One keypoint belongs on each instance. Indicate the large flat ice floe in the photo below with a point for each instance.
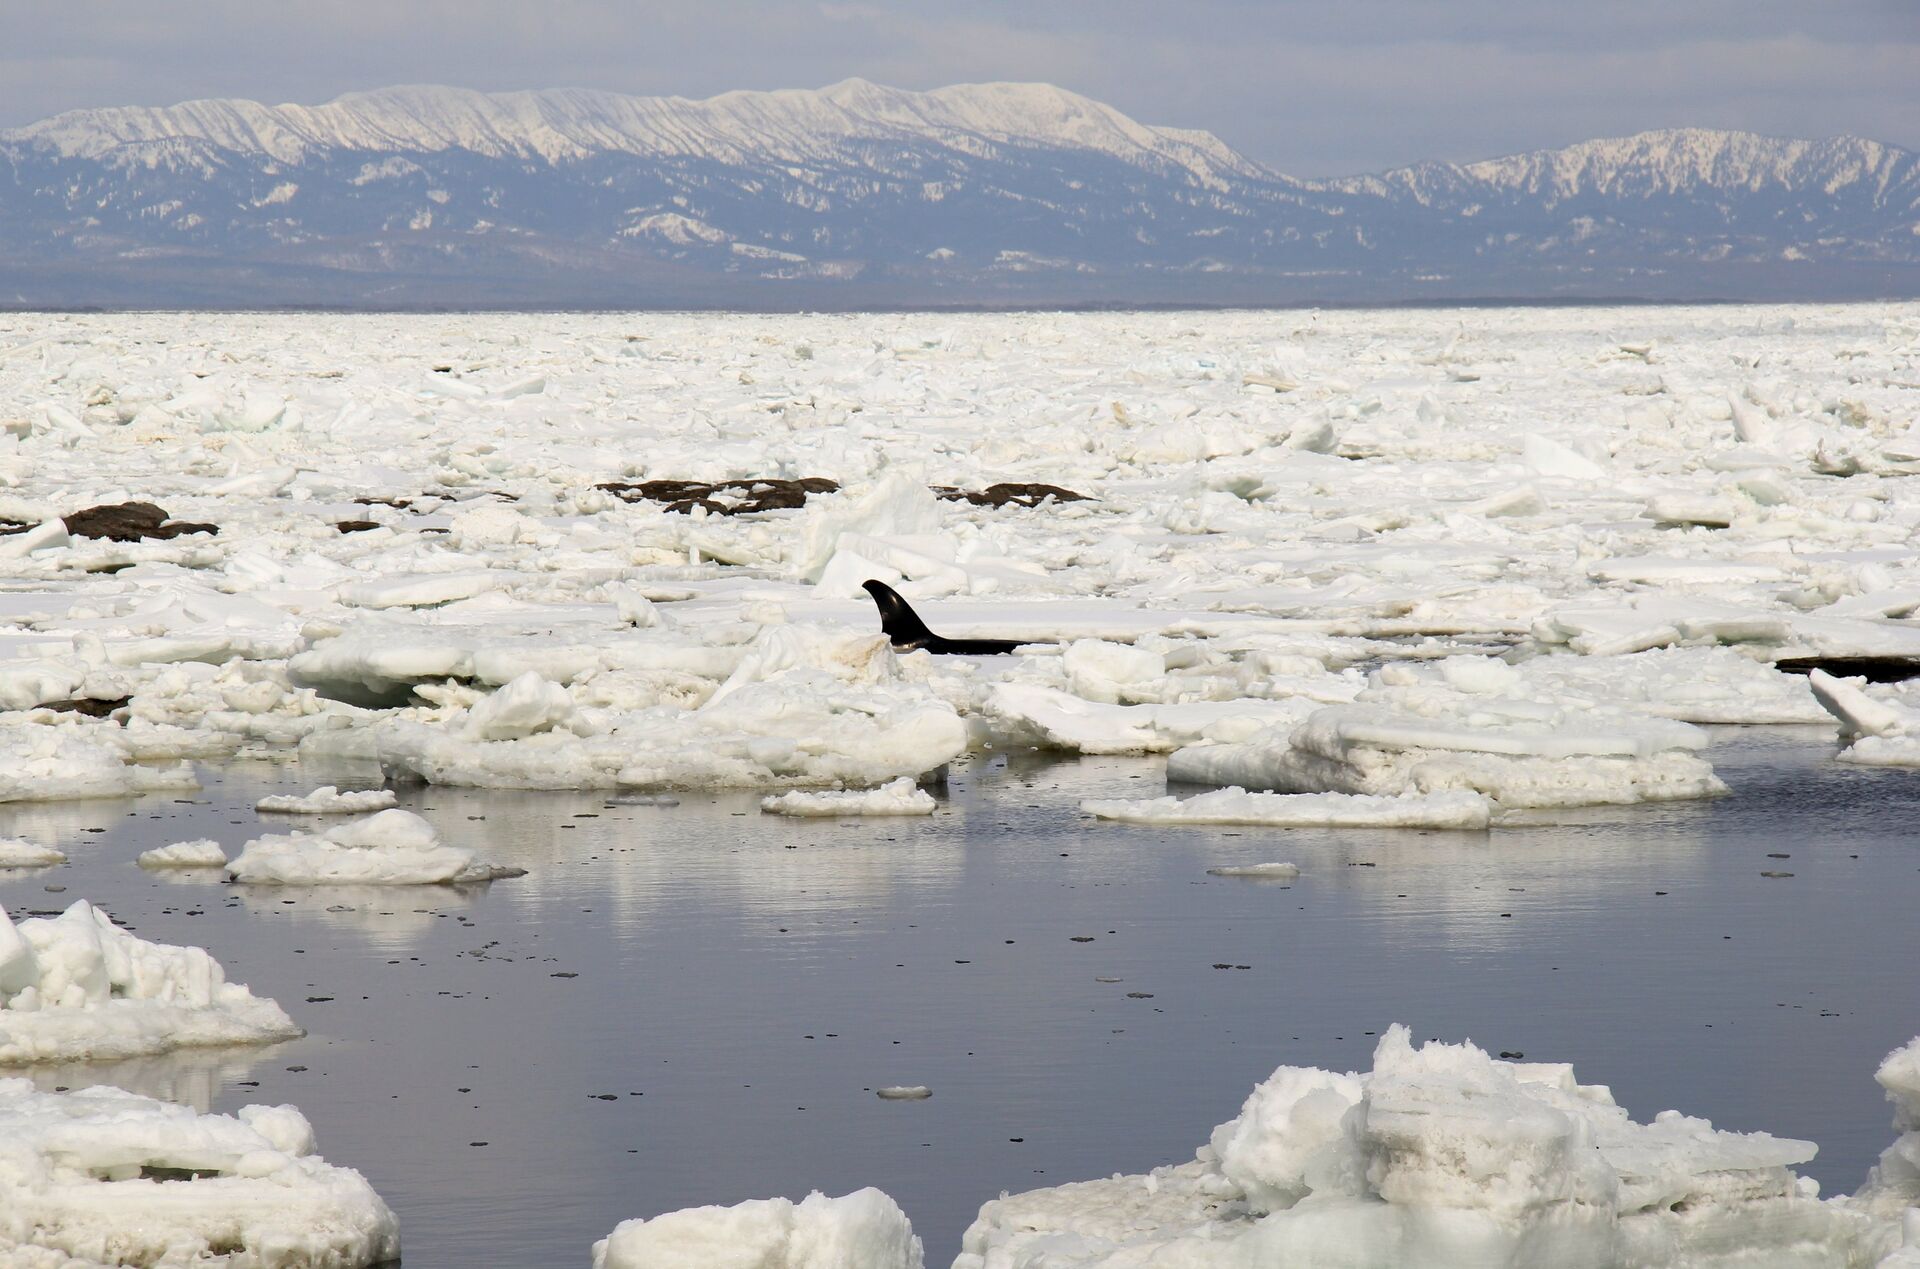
(861, 1230)
(390, 848)
(76, 987)
(103, 1177)
(1445, 1158)
(1301, 810)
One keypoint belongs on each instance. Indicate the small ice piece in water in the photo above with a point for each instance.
(898, 797)
(862, 1230)
(392, 848)
(103, 1176)
(903, 1093)
(203, 852)
(328, 800)
(1455, 809)
(15, 853)
(76, 987)
(1255, 870)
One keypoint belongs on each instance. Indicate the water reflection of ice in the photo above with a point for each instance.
(191, 1077)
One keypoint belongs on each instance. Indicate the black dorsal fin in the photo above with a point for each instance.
(898, 621)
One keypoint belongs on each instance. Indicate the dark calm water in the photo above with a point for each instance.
(739, 983)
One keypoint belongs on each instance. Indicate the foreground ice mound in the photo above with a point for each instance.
(1444, 1158)
(105, 1177)
(1301, 810)
(1894, 1184)
(51, 762)
(76, 987)
(328, 800)
(900, 797)
(392, 848)
(862, 1230)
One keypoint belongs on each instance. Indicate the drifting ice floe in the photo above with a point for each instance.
(328, 800)
(202, 852)
(1445, 1158)
(901, 797)
(103, 1177)
(1301, 810)
(15, 853)
(76, 987)
(392, 848)
(862, 1230)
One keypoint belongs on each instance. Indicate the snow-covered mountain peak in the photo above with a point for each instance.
(1673, 159)
(564, 124)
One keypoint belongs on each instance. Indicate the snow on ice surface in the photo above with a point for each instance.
(390, 848)
(1443, 1157)
(862, 1230)
(1301, 810)
(1400, 576)
(76, 987)
(104, 1177)
(900, 797)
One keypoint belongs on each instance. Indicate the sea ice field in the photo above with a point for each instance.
(451, 765)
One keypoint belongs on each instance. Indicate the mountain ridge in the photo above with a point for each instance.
(969, 193)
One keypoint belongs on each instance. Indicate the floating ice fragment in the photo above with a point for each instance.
(328, 800)
(391, 848)
(898, 797)
(862, 1230)
(15, 853)
(201, 853)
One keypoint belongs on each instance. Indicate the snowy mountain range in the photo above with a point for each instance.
(859, 194)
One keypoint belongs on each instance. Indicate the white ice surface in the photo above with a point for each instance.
(102, 1177)
(899, 797)
(1638, 538)
(389, 848)
(1444, 1158)
(76, 987)
(1301, 810)
(861, 1230)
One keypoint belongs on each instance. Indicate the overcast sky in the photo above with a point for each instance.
(1313, 88)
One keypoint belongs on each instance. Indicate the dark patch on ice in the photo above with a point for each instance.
(130, 522)
(723, 497)
(356, 526)
(1872, 669)
(1008, 494)
(90, 706)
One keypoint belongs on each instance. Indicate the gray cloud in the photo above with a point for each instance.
(1312, 88)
